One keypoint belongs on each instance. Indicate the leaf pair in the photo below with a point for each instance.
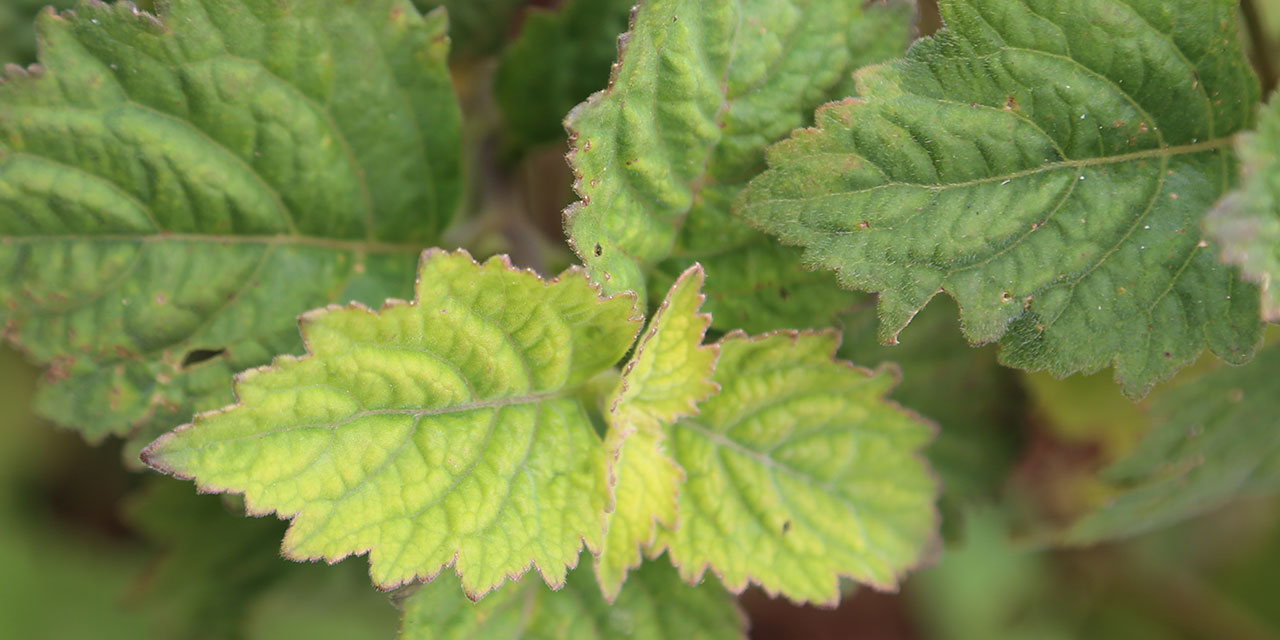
(456, 429)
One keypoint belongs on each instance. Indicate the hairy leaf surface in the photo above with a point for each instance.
(800, 472)
(1215, 440)
(174, 190)
(1048, 164)
(655, 605)
(442, 431)
(668, 375)
(700, 90)
(1246, 224)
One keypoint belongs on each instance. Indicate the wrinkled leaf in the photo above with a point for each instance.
(446, 431)
(800, 472)
(667, 377)
(1048, 165)
(175, 190)
(700, 89)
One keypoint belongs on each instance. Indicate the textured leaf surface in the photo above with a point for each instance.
(756, 284)
(701, 88)
(800, 472)
(1215, 441)
(443, 431)
(668, 375)
(175, 190)
(655, 605)
(1246, 224)
(1047, 164)
(560, 58)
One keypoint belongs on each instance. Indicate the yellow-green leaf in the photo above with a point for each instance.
(443, 431)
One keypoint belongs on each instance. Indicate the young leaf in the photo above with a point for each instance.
(1246, 224)
(799, 472)
(758, 285)
(558, 60)
(1215, 441)
(175, 189)
(1046, 164)
(668, 375)
(699, 90)
(442, 431)
(656, 605)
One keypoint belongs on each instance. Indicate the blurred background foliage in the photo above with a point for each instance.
(90, 550)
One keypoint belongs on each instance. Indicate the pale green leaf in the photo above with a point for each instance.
(667, 377)
(1246, 224)
(1215, 441)
(174, 190)
(655, 605)
(443, 431)
(559, 59)
(1047, 164)
(800, 472)
(700, 90)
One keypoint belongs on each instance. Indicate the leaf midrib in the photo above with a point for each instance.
(494, 403)
(1158, 153)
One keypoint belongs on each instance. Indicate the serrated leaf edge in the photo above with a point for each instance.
(149, 457)
(932, 547)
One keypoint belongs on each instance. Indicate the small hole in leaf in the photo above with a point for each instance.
(786, 526)
(196, 356)
(599, 250)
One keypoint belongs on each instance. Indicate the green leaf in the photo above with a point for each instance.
(667, 377)
(800, 472)
(558, 60)
(1048, 165)
(442, 431)
(174, 190)
(656, 605)
(1215, 441)
(756, 284)
(1246, 224)
(700, 89)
